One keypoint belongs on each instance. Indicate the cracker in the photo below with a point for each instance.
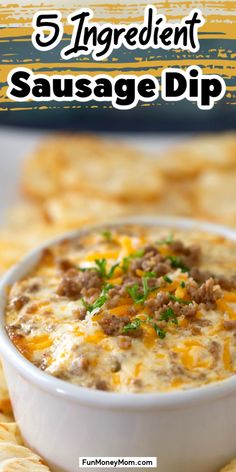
(35, 224)
(13, 248)
(9, 432)
(71, 211)
(22, 465)
(230, 467)
(90, 165)
(9, 450)
(189, 159)
(24, 215)
(176, 200)
(5, 404)
(215, 194)
(6, 418)
(17, 240)
(14, 457)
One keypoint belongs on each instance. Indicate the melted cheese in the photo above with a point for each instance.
(48, 331)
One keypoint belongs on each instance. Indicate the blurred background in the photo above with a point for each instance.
(166, 158)
(169, 118)
(51, 183)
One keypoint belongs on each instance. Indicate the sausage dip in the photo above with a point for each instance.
(130, 309)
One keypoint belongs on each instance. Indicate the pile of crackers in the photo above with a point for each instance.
(14, 456)
(74, 180)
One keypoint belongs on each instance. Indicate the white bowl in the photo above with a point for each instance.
(192, 430)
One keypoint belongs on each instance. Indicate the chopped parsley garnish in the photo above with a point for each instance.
(146, 288)
(101, 268)
(168, 240)
(135, 324)
(112, 270)
(150, 275)
(126, 260)
(97, 304)
(140, 294)
(169, 315)
(83, 269)
(100, 300)
(125, 263)
(107, 235)
(182, 284)
(135, 293)
(179, 300)
(177, 263)
(167, 279)
(160, 332)
(138, 253)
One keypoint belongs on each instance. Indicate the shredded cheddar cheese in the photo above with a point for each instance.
(126, 313)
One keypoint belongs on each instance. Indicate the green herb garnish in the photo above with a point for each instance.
(112, 270)
(135, 293)
(137, 322)
(101, 267)
(125, 264)
(182, 284)
(179, 300)
(168, 240)
(100, 300)
(150, 275)
(97, 304)
(167, 279)
(160, 332)
(83, 269)
(107, 235)
(138, 294)
(177, 263)
(169, 315)
(126, 260)
(134, 324)
(138, 253)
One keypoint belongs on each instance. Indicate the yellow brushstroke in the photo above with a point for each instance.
(220, 18)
